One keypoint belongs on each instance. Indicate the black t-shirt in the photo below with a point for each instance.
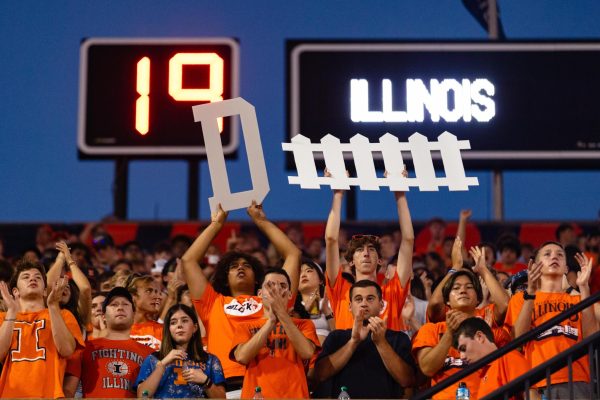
(364, 375)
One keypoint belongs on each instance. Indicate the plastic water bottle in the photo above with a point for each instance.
(344, 394)
(258, 393)
(462, 393)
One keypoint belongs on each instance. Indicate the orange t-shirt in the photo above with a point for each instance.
(429, 336)
(148, 333)
(33, 367)
(394, 296)
(277, 368)
(220, 315)
(555, 340)
(108, 368)
(501, 371)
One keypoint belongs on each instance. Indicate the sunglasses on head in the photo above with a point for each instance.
(373, 238)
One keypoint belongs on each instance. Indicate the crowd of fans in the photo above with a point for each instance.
(381, 316)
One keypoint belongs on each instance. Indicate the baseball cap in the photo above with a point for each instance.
(518, 279)
(117, 291)
(103, 241)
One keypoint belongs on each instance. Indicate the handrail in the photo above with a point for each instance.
(512, 345)
(539, 372)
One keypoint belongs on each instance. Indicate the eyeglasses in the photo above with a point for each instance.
(372, 238)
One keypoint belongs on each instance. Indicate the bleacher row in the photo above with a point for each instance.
(18, 237)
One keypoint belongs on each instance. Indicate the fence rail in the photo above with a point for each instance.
(422, 153)
(589, 345)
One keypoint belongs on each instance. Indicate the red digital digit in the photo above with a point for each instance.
(215, 90)
(142, 104)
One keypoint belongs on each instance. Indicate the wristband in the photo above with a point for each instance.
(207, 383)
(451, 271)
(328, 317)
(528, 296)
(71, 262)
(10, 319)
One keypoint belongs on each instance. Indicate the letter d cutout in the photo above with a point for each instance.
(207, 114)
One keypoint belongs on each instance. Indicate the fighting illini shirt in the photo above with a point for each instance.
(108, 368)
(220, 316)
(33, 367)
(429, 336)
(556, 339)
(394, 296)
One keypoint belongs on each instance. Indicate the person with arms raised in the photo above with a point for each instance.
(363, 254)
(231, 298)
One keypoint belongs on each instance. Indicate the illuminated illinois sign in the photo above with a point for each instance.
(519, 104)
(449, 100)
(136, 95)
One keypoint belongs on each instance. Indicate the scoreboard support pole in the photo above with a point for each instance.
(120, 185)
(498, 195)
(193, 195)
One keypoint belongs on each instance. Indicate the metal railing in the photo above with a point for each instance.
(588, 346)
(513, 345)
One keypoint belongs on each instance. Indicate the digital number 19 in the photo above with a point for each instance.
(213, 93)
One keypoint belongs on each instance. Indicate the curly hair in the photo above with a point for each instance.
(221, 277)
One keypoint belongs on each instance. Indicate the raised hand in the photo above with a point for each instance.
(454, 318)
(583, 276)
(479, 257)
(174, 285)
(534, 273)
(359, 329)
(404, 174)
(57, 291)
(465, 214)
(63, 248)
(218, 216)
(428, 283)
(278, 300)
(255, 211)
(325, 308)
(312, 299)
(377, 326)
(408, 310)
(327, 174)
(13, 306)
(267, 301)
(101, 322)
